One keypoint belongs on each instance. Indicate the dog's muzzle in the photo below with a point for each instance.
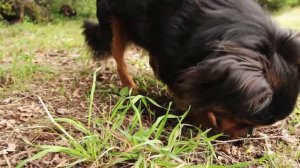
(233, 127)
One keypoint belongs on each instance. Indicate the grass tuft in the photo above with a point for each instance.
(117, 140)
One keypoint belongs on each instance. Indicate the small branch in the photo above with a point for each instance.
(53, 121)
(91, 99)
(7, 161)
(244, 139)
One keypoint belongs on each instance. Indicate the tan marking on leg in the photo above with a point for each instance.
(119, 42)
(212, 119)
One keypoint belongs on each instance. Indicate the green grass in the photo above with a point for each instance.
(30, 37)
(23, 45)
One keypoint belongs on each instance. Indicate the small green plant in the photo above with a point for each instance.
(21, 69)
(23, 66)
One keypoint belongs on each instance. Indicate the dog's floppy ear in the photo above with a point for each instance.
(227, 80)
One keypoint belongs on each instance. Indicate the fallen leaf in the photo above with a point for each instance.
(76, 93)
(3, 123)
(62, 111)
(288, 138)
(11, 147)
(7, 101)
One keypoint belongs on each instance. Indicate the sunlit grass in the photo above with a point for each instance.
(290, 19)
(23, 44)
(30, 37)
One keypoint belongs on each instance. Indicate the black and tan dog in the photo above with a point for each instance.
(224, 58)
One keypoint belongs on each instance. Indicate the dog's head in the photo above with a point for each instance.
(236, 89)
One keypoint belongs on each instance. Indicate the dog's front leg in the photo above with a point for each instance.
(119, 43)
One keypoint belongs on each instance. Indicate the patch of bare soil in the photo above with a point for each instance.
(22, 117)
(21, 114)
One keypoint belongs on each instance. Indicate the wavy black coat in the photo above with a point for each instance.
(223, 56)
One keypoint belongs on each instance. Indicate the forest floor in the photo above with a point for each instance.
(48, 68)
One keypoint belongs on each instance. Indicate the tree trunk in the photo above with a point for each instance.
(21, 10)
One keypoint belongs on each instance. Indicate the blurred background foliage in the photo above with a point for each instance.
(50, 10)
(44, 10)
(276, 5)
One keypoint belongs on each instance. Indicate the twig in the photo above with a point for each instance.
(244, 139)
(53, 121)
(61, 164)
(7, 161)
(36, 164)
(91, 99)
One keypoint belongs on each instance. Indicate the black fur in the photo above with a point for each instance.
(224, 56)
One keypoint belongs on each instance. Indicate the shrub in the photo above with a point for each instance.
(42, 10)
(5, 9)
(16, 10)
(275, 5)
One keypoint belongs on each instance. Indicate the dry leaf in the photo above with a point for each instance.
(11, 147)
(76, 93)
(7, 101)
(62, 111)
(3, 123)
(288, 138)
